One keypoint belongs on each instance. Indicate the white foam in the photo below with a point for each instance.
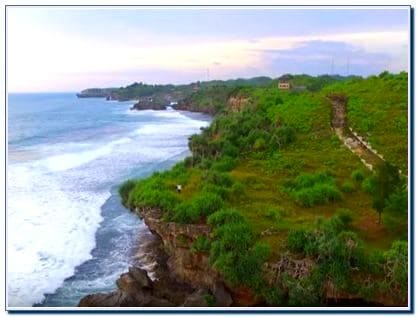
(54, 199)
(171, 129)
(50, 232)
(70, 160)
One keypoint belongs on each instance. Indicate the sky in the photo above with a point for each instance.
(71, 48)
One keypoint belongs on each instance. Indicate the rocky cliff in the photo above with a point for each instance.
(186, 105)
(238, 103)
(186, 265)
(183, 277)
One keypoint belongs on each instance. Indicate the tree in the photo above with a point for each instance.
(387, 180)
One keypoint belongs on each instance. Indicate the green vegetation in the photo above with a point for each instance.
(201, 205)
(209, 99)
(313, 189)
(348, 187)
(337, 252)
(358, 175)
(341, 258)
(124, 191)
(234, 251)
(137, 90)
(272, 180)
(201, 244)
(377, 109)
(387, 182)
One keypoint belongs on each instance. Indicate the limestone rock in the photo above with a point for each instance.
(221, 295)
(148, 104)
(140, 276)
(197, 299)
(127, 283)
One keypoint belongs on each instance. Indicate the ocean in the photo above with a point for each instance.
(67, 233)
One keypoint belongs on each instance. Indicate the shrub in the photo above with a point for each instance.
(234, 255)
(237, 189)
(335, 141)
(201, 244)
(317, 194)
(186, 212)
(332, 226)
(218, 178)
(397, 202)
(337, 252)
(234, 237)
(348, 187)
(208, 203)
(233, 251)
(224, 216)
(396, 268)
(205, 163)
(166, 200)
(274, 296)
(283, 135)
(368, 185)
(396, 213)
(259, 144)
(248, 269)
(310, 179)
(188, 161)
(358, 175)
(179, 170)
(215, 189)
(225, 164)
(272, 214)
(151, 192)
(124, 190)
(304, 291)
(210, 300)
(297, 239)
(345, 216)
(200, 206)
(387, 182)
(230, 150)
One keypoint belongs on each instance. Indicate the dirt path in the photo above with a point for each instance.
(351, 140)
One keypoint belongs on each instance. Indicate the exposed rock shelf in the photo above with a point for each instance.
(148, 105)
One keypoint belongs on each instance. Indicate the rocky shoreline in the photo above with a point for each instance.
(148, 102)
(182, 277)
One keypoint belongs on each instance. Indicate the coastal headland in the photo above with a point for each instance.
(276, 207)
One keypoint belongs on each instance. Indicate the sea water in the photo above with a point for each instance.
(67, 233)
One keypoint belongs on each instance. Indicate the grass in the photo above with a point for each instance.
(263, 186)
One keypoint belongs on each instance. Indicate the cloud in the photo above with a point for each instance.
(43, 58)
(319, 57)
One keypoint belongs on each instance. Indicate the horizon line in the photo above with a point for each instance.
(204, 81)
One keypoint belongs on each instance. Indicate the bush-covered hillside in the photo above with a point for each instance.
(272, 178)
